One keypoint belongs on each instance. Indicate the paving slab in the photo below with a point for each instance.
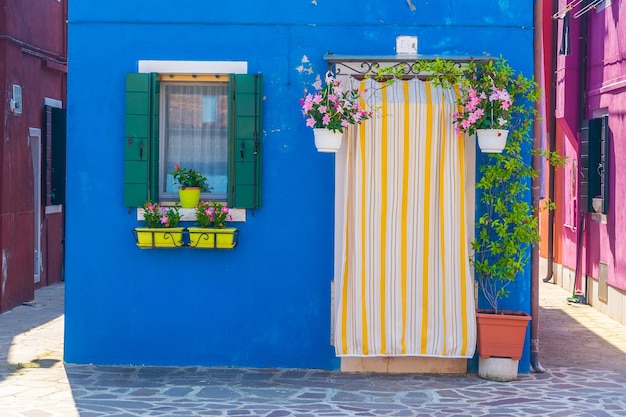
(583, 351)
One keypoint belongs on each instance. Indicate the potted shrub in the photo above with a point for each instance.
(161, 227)
(212, 232)
(329, 110)
(191, 184)
(508, 226)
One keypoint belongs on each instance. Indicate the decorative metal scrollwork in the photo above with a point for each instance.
(400, 66)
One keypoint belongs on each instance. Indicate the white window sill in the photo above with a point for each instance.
(189, 214)
(598, 217)
(54, 209)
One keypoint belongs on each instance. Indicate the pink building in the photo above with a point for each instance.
(33, 69)
(589, 248)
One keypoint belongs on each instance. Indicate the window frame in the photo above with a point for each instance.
(141, 138)
(170, 80)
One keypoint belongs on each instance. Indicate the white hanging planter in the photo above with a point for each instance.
(598, 204)
(327, 140)
(492, 140)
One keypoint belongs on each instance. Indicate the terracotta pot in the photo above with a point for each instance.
(501, 335)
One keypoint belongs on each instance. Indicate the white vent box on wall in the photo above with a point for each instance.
(406, 45)
(16, 101)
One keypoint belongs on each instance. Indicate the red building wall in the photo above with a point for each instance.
(33, 55)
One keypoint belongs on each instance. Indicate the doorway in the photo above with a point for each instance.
(34, 139)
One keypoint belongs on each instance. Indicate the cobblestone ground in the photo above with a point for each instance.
(582, 350)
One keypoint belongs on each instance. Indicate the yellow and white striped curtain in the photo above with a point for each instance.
(405, 285)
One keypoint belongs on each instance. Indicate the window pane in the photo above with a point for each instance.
(194, 129)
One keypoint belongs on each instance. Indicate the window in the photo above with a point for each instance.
(194, 134)
(55, 144)
(594, 163)
(211, 123)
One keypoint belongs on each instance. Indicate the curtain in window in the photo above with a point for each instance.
(405, 286)
(195, 129)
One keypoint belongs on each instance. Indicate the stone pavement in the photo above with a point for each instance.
(583, 351)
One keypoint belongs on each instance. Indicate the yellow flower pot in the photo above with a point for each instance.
(149, 237)
(189, 197)
(211, 237)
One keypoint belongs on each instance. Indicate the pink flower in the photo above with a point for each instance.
(164, 219)
(332, 107)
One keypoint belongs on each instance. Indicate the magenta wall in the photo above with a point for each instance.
(605, 91)
(567, 121)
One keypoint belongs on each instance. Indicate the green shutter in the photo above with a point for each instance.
(244, 182)
(58, 151)
(140, 138)
(594, 162)
(154, 137)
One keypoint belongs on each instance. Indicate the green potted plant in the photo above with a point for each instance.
(212, 232)
(329, 110)
(161, 227)
(508, 225)
(191, 184)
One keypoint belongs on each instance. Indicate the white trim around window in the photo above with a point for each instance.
(193, 67)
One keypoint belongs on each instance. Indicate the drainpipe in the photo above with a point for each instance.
(580, 295)
(536, 190)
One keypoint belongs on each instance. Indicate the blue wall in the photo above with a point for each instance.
(266, 303)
